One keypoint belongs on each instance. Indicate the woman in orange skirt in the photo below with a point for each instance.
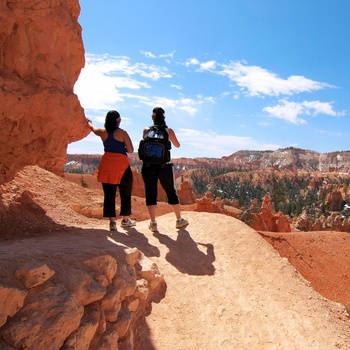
(114, 169)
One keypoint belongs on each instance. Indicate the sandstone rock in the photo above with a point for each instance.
(334, 201)
(34, 274)
(108, 340)
(105, 265)
(132, 256)
(303, 222)
(206, 204)
(142, 290)
(132, 303)
(125, 280)
(81, 338)
(264, 219)
(82, 284)
(39, 112)
(102, 324)
(185, 193)
(149, 271)
(11, 300)
(49, 315)
(111, 304)
(124, 321)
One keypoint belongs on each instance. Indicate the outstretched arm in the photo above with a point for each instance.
(96, 131)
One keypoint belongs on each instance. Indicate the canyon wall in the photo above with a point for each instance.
(41, 56)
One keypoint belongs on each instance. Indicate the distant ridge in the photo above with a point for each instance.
(287, 159)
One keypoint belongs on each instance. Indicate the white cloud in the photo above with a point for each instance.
(170, 54)
(178, 87)
(148, 54)
(210, 99)
(290, 111)
(210, 144)
(192, 62)
(188, 105)
(96, 90)
(319, 108)
(257, 81)
(207, 66)
(102, 78)
(202, 66)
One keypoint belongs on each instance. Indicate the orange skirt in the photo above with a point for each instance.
(112, 167)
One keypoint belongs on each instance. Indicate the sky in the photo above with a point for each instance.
(230, 74)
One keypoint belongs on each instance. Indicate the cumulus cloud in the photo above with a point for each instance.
(103, 76)
(290, 111)
(257, 81)
(207, 66)
(201, 66)
(192, 62)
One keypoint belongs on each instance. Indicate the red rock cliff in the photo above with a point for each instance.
(41, 56)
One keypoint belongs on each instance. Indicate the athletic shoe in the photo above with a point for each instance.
(181, 223)
(153, 226)
(128, 223)
(112, 225)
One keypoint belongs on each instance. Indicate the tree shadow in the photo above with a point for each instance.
(185, 255)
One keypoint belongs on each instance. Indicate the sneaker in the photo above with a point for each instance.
(112, 226)
(153, 226)
(181, 223)
(128, 223)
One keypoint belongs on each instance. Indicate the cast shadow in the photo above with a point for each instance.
(185, 255)
(133, 238)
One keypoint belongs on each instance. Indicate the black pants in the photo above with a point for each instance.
(151, 173)
(110, 191)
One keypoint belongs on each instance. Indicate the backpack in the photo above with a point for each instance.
(155, 146)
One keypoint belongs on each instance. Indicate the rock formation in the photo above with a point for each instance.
(224, 206)
(41, 56)
(88, 306)
(264, 219)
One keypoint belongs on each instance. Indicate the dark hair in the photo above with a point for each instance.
(159, 118)
(111, 120)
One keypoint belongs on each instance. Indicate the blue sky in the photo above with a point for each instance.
(231, 74)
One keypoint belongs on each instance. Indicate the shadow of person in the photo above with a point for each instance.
(133, 238)
(185, 255)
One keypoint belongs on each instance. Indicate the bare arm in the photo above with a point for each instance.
(128, 144)
(173, 138)
(96, 131)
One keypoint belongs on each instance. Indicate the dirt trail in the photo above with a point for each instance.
(227, 288)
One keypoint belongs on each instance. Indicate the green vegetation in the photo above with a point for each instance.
(289, 192)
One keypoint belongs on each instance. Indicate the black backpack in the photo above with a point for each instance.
(155, 146)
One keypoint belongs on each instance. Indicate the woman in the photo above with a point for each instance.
(114, 169)
(151, 173)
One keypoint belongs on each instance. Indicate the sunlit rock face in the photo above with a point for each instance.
(41, 56)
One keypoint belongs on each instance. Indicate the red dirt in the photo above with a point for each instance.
(226, 287)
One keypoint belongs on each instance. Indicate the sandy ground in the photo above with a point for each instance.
(228, 286)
